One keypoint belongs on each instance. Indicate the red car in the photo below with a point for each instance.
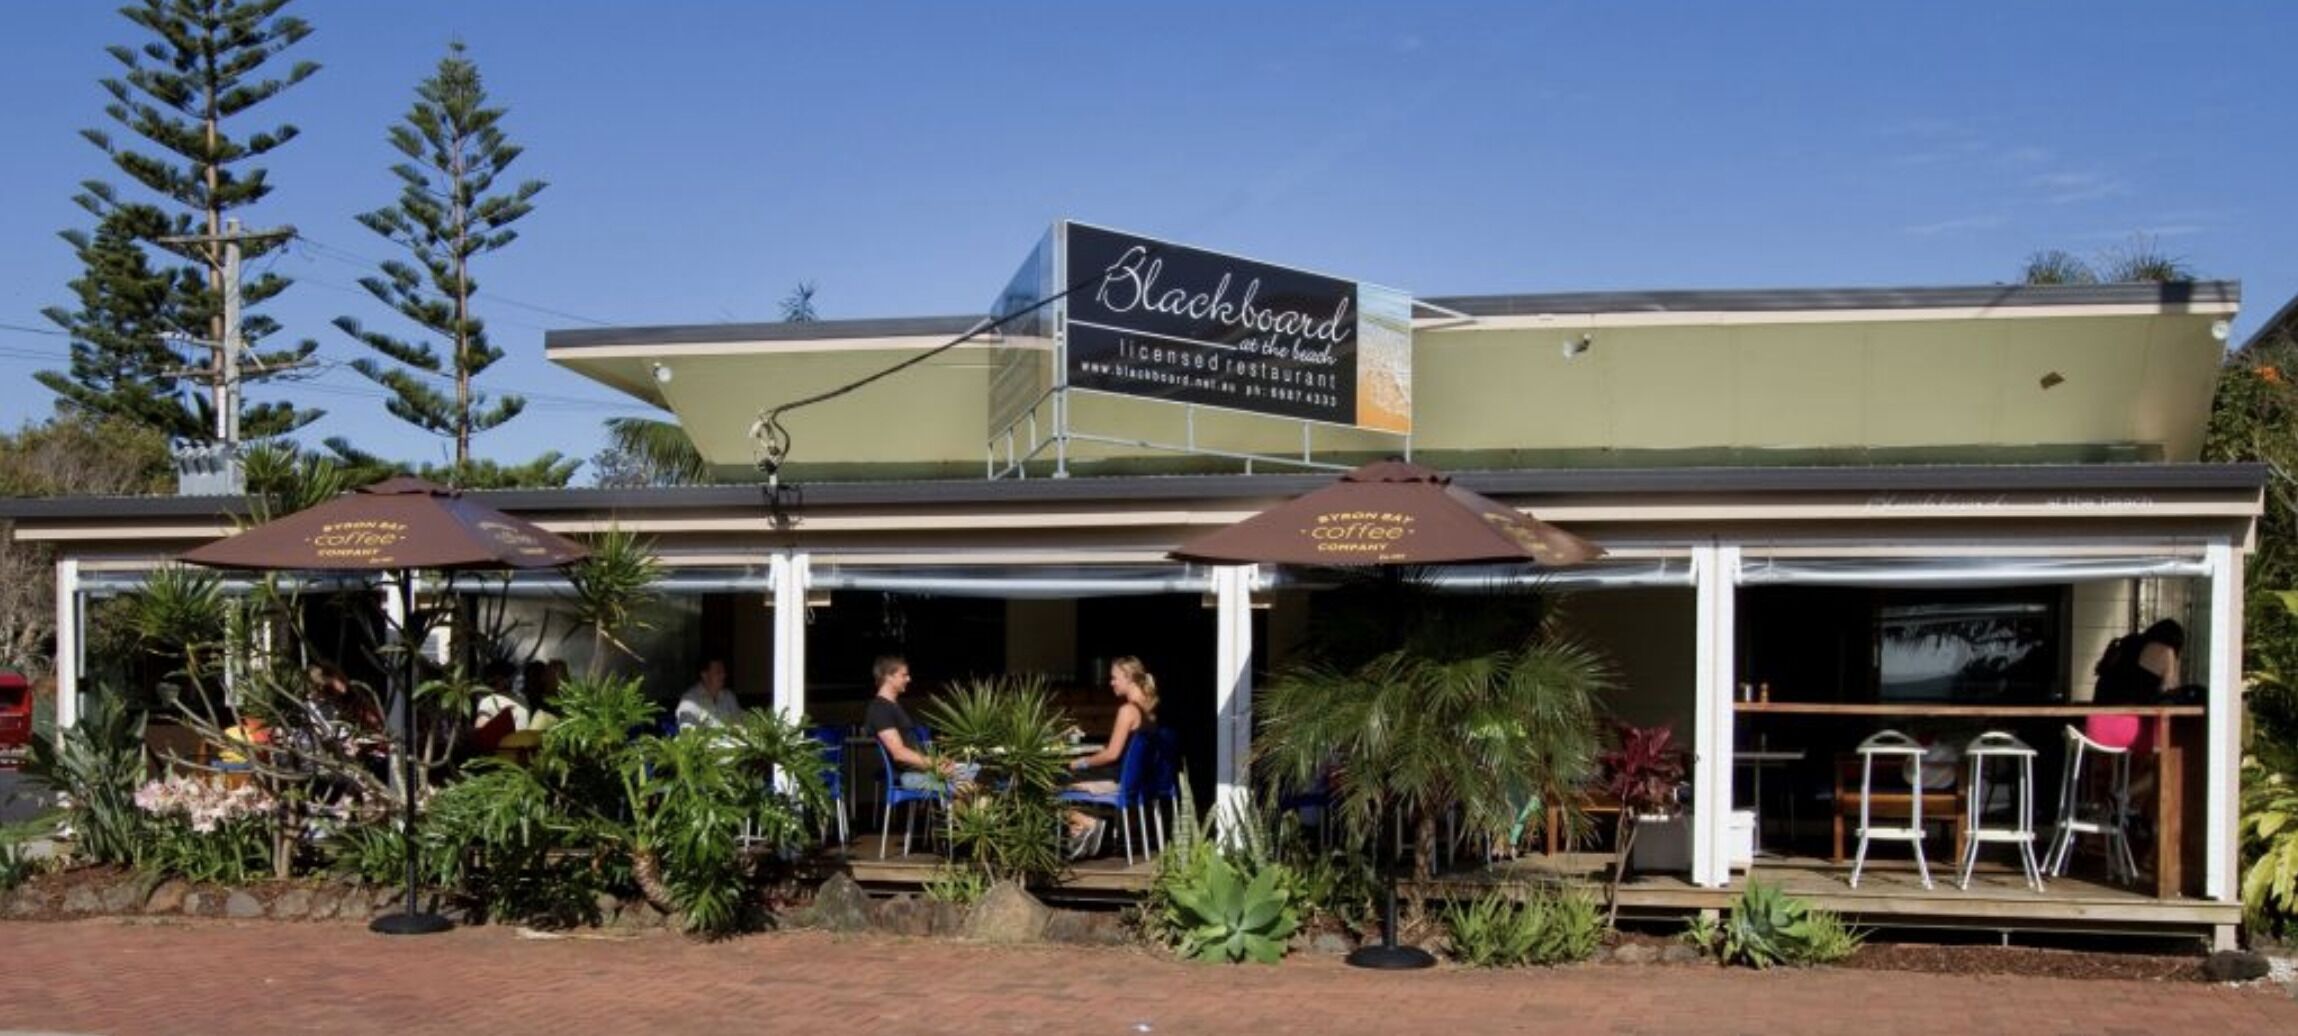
(15, 720)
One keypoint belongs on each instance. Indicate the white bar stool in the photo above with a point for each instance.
(1895, 751)
(2019, 829)
(2104, 819)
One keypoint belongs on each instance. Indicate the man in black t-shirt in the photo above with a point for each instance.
(896, 732)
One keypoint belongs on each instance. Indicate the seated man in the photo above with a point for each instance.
(895, 731)
(708, 703)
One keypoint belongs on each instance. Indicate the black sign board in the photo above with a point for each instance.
(1165, 321)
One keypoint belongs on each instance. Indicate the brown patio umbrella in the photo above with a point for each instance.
(395, 527)
(1389, 513)
(1393, 515)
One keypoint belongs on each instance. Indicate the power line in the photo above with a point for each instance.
(367, 265)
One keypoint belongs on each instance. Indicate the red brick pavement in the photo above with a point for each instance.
(194, 977)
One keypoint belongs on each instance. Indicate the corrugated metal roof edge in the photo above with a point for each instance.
(1897, 479)
(1760, 300)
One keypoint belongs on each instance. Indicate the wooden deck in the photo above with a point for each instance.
(1889, 893)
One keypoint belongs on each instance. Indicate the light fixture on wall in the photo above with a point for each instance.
(1576, 346)
(662, 373)
(2052, 380)
(2219, 329)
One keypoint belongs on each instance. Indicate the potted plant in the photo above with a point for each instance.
(1641, 773)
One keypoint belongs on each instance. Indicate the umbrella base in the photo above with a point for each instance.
(409, 924)
(1391, 958)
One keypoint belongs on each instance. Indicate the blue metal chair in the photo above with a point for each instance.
(896, 795)
(1135, 776)
(833, 742)
(1165, 780)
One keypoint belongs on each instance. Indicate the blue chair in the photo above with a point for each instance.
(833, 742)
(1135, 776)
(1165, 780)
(896, 795)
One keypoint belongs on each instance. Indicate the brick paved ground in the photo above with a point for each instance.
(195, 977)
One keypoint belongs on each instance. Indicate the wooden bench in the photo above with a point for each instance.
(1894, 800)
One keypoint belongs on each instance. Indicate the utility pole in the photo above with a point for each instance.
(225, 374)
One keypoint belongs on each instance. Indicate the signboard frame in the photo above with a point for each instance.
(1021, 431)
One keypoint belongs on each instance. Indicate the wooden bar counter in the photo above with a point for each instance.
(2177, 726)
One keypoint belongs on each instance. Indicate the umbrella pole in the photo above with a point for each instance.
(1388, 956)
(412, 920)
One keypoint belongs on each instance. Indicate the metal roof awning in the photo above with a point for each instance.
(1962, 572)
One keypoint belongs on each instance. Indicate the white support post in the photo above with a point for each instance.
(790, 573)
(2222, 746)
(1233, 694)
(68, 640)
(1716, 573)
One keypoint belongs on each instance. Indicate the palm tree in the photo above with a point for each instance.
(656, 453)
(1483, 704)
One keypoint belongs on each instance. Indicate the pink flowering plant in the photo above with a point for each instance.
(200, 830)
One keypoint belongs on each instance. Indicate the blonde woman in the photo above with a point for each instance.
(1136, 692)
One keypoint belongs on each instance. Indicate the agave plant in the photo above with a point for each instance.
(1770, 927)
(1226, 917)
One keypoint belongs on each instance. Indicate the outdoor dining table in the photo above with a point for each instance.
(2170, 754)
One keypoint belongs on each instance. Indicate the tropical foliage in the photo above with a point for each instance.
(96, 765)
(2270, 844)
(1482, 703)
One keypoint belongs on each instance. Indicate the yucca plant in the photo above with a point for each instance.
(612, 588)
(1007, 825)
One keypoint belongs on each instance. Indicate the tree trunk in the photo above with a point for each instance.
(646, 869)
(1623, 841)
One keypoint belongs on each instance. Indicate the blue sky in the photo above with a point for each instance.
(705, 157)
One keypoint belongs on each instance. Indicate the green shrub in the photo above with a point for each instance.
(1548, 926)
(2269, 845)
(96, 765)
(199, 830)
(1768, 927)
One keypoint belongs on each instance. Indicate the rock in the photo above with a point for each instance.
(1678, 953)
(603, 907)
(238, 904)
(839, 905)
(1332, 943)
(2234, 966)
(1087, 928)
(29, 902)
(1635, 953)
(1007, 914)
(168, 898)
(901, 915)
(946, 919)
(125, 895)
(292, 905)
(324, 901)
(81, 899)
